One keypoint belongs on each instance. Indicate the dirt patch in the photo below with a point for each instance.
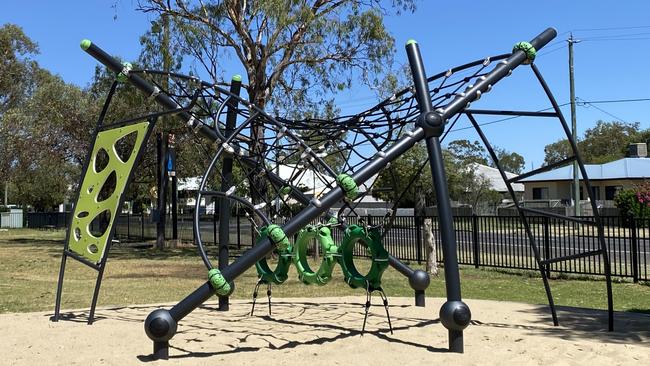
(326, 331)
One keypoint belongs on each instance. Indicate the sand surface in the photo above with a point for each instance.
(325, 331)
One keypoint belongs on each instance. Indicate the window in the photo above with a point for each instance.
(610, 191)
(540, 193)
(595, 193)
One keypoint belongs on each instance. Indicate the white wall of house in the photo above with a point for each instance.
(562, 189)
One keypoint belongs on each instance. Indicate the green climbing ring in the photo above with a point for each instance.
(264, 271)
(218, 282)
(370, 239)
(348, 185)
(329, 250)
(528, 49)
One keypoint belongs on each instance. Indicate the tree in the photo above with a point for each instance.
(605, 142)
(285, 47)
(399, 182)
(16, 67)
(461, 178)
(48, 140)
(557, 151)
(468, 152)
(16, 50)
(509, 161)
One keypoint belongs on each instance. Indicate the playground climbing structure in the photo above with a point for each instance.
(259, 165)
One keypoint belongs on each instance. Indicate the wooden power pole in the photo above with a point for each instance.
(574, 128)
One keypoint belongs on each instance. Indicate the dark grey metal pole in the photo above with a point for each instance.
(226, 173)
(174, 207)
(454, 314)
(160, 224)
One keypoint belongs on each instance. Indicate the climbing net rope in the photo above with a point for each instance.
(270, 168)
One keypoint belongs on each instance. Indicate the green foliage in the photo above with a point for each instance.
(286, 47)
(605, 142)
(16, 50)
(509, 161)
(468, 151)
(634, 202)
(44, 127)
(395, 179)
(464, 184)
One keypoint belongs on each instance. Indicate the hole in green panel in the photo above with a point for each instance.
(82, 214)
(92, 248)
(100, 223)
(108, 188)
(77, 234)
(101, 160)
(125, 145)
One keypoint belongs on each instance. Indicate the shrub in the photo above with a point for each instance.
(634, 202)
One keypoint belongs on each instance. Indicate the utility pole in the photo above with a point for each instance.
(574, 129)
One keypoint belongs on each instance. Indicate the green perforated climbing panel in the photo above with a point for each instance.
(102, 187)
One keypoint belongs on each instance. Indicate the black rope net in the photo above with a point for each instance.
(269, 168)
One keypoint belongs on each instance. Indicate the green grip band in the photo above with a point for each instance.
(285, 190)
(348, 185)
(278, 237)
(85, 44)
(218, 281)
(528, 49)
(123, 76)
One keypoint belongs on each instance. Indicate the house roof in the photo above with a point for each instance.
(627, 168)
(496, 182)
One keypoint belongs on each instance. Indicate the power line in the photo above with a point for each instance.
(610, 28)
(618, 101)
(617, 35)
(585, 103)
(616, 39)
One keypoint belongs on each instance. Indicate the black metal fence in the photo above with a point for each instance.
(483, 241)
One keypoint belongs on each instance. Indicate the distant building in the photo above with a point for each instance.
(606, 179)
(495, 179)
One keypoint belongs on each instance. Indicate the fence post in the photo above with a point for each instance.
(142, 225)
(214, 221)
(239, 230)
(547, 244)
(418, 238)
(475, 247)
(128, 226)
(634, 250)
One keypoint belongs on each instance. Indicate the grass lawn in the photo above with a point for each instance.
(30, 260)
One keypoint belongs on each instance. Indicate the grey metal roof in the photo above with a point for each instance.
(627, 168)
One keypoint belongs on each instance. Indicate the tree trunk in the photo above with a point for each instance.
(430, 245)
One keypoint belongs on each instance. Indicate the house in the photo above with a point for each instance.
(606, 179)
(495, 180)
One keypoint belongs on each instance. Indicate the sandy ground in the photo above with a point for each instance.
(325, 331)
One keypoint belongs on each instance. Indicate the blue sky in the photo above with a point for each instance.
(610, 61)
